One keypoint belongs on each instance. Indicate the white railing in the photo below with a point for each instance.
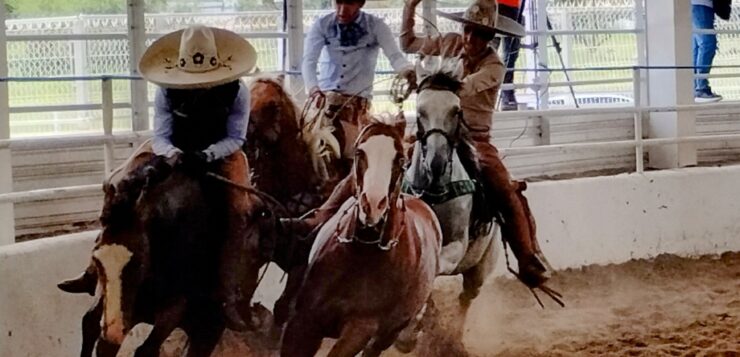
(108, 139)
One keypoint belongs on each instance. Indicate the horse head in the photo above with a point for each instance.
(122, 265)
(439, 120)
(273, 113)
(378, 167)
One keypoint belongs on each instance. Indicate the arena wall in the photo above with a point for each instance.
(598, 220)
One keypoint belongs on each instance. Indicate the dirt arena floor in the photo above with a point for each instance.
(667, 306)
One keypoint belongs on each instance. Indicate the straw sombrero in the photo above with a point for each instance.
(483, 14)
(197, 57)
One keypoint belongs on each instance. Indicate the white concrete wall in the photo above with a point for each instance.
(582, 221)
(36, 318)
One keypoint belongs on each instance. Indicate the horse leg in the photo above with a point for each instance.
(474, 277)
(203, 336)
(407, 337)
(354, 338)
(91, 327)
(106, 349)
(301, 338)
(285, 304)
(165, 321)
(382, 342)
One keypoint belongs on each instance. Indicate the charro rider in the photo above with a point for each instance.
(483, 74)
(200, 123)
(345, 46)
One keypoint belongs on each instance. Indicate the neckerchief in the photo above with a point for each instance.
(351, 33)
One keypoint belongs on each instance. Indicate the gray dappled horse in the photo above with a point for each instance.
(440, 173)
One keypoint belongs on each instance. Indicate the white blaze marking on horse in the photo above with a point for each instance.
(113, 258)
(380, 153)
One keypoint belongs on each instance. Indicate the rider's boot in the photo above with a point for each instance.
(84, 283)
(518, 227)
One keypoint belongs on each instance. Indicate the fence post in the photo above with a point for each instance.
(107, 101)
(668, 34)
(7, 216)
(79, 54)
(294, 29)
(429, 12)
(637, 95)
(542, 78)
(137, 45)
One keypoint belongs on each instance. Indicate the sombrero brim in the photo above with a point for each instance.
(504, 25)
(159, 62)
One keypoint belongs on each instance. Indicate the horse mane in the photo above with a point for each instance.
(318, 139)
(384, 124)
(284, 99)
(440, 73)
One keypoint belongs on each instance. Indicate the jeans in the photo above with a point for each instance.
(511, 44)
(705, 45)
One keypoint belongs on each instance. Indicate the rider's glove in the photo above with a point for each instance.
(194, 162)
(157, 169)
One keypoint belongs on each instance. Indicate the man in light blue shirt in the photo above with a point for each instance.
(344, 45)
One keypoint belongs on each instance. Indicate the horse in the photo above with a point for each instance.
(159, 264)
(288, 159)
(373, 264)
(443, 173)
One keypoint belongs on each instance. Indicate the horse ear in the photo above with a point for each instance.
(281, 78)
(422, 69)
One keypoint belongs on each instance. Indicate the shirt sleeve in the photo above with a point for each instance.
(236, 127)
(161, 143)
(485, 78)
(313, 44)
(390, 47)
(410, 43)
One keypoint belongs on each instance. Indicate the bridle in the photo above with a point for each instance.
(422, 135)
(383, 242)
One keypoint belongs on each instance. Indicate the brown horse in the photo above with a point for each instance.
(286, 160)
(372, 266)
(160, 265)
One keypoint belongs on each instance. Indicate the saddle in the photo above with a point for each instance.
(483, 213)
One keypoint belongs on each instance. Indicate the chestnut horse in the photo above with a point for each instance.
(287, 160)
(372, 265)
(159, 264)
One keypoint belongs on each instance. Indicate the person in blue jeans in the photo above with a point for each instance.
(705, 47)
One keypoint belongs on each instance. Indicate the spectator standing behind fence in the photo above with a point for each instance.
(512, 10)
(705, 45)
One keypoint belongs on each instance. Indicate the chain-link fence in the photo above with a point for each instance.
(61, 57)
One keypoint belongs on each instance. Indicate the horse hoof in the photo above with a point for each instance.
(466, 298)
(405, 345)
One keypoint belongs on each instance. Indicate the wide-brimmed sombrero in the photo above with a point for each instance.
(197, 57)
(483, 14)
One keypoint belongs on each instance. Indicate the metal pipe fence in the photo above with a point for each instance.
(107, 139)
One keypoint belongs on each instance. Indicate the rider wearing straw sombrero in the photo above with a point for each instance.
(201, 112)
(484, 72)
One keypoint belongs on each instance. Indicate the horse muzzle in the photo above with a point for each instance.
(114, 331)
(372, 211)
